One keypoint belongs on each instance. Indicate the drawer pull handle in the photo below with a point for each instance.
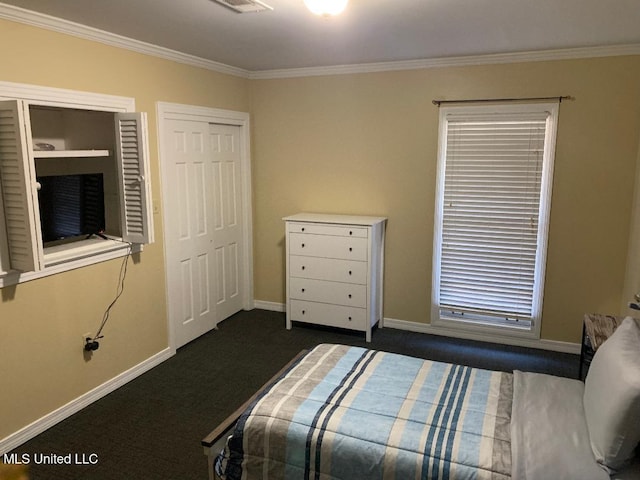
(349, 318)
(303, 229)
(349, 295)
(303, 267)
(303, 290)
(350, 232)
(304, 311)
(303, 245)
(349, 272)
(351, 249)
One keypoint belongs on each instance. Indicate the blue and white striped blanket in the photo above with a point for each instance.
(351, 413)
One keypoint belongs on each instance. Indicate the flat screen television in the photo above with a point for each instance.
(71, 206)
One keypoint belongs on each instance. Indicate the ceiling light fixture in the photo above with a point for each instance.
(326, 7)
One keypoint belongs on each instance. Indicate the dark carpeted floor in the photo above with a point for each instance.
(151, 427)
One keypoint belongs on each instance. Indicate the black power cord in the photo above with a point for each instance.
(92, 344)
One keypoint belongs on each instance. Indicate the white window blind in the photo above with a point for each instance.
(494, 192)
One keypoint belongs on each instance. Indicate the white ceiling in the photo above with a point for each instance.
(369, 31)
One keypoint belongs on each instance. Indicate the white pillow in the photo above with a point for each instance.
(612, 397)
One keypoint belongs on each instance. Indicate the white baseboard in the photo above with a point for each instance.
(541, 344)
(23, 435)
(271, 306)
(27, 433)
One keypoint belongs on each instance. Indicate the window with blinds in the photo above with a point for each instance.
(492, 208)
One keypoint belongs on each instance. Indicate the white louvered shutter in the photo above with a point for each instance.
(494, 200)
(20, 195)
(135, 184)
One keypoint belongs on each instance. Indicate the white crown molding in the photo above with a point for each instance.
(499, 58)
(28, 17)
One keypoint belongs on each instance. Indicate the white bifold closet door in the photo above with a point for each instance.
(205, 229)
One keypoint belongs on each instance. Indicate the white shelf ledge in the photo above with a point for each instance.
(70, 153)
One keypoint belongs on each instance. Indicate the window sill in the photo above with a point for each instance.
(63, 258)
(78, 250)
(490, 331)
(472, 318)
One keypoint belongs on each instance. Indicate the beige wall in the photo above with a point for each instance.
(632, 280)
(362, 144)
(42, 322)
(367, 144)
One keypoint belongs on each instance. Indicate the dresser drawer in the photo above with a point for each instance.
(330, 315)
(323, 229)
(348, 248)
(335, 270)
(347, 271)
(348, 294)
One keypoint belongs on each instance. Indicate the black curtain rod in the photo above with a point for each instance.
(485, 100)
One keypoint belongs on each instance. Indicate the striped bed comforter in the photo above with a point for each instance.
(351, 413)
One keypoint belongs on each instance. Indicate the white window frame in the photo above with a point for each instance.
(84, 253)
(443, 321)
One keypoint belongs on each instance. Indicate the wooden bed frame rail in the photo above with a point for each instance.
(215, 441)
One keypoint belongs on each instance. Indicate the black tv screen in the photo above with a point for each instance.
(71, 206)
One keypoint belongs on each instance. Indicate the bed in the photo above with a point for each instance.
(342, 412)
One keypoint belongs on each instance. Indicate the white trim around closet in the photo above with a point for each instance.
(174, 111)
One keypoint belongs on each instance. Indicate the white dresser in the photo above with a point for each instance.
(335, 270)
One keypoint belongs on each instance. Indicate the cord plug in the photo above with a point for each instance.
(91, 345)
